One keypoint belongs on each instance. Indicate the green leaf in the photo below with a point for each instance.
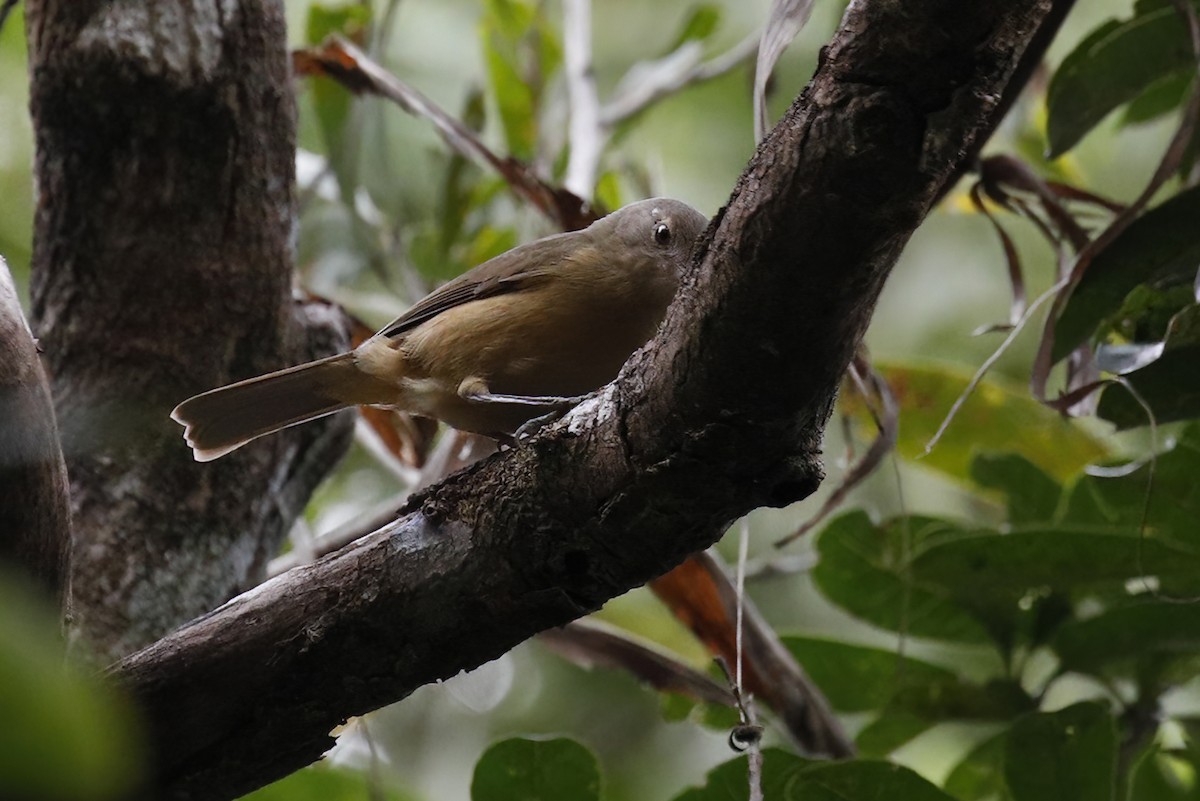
(521, 54)
(459, 181)
(1069, 755)
(1116, 63)
(862, 570)
(1118, 503)
(521, 769)
(720, 718)
(1169, 775)
(993, 566)
(885, 734)
(1033, 496)
(860, 780)
(1143, 630)
(700, 24)
(1145, 314)
(348, 19)
(490, 241)
(1161, 248)
(997, 417)
(1165, 776)
(675, 707)
(1017, 584)
(1086, 506)
(515, 100)
(729, 781)
(1170, 385)
(331, 101)
(323, 783)
(857, 678)
(426, 252)
(1162, 97)
(608, 190)
(64, 734)
(980, 775)
(790, 778)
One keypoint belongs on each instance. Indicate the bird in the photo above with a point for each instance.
(516, 339)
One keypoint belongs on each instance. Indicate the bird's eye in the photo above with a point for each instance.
(662, 233)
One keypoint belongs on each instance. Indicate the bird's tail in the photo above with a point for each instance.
(221, 420)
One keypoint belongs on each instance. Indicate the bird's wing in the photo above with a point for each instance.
(509, 272)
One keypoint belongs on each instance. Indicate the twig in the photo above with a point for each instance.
(588, 642)
(1141, 720)
(455, 451)
(645, 84)
(584, 130)
(988, 363)
(743, 551)
(342, 61)
(769, 669)
(369, 439)
(375, 786)
(363, 524)
(788, 18)
(1144, 518)
(746, 736)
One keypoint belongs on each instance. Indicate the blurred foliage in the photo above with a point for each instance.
(1160, 250)
(1068, 755)
(789, 778)
(520, 769)
(996, 416)
(331, 102)
(1118, 62)
(995, 586)
(522, 54)
(322, 783)
(16, 150)
(66, 735)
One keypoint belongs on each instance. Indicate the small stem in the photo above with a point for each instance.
(1139, 726)
(664, 82)
(584, 128)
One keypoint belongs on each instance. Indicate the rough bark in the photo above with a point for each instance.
(162, 267)
(35, 516)
(722, 413)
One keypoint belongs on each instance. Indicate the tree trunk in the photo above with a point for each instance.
(165, 139)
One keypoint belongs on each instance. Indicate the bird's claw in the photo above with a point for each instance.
(535, 424)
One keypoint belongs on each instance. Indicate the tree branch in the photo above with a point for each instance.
(646, 84)
(721, 413)
(35, 518)
(162, 267)
(585, 135)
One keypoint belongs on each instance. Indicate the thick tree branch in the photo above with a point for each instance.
(162, 267)
(1031, 61)
(35, 517)
(723, 412)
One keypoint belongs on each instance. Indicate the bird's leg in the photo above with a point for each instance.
(545, 401)
(476, 390)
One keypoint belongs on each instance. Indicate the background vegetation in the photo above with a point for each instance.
(995, 615)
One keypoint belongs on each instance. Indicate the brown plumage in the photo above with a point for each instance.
(517, 336)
